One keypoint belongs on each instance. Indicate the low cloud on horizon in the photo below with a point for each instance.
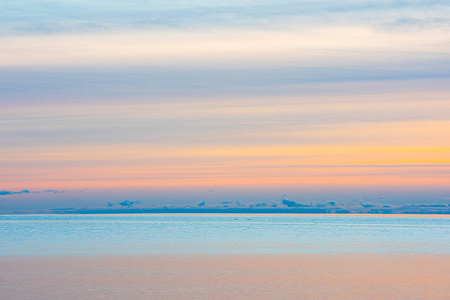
(24, 191)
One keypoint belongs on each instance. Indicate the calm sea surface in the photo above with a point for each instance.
(221, 234)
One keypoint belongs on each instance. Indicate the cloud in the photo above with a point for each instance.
(290, 203)
(367, 205)
(128, 203)
(53, 191)
(432, 205)
(5, 193)
(202, 203)
(62, 209)
(64, 16)
(332, 45)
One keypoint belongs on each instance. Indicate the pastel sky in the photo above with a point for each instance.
(178, 102)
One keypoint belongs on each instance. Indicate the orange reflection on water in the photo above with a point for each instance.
(302, 276)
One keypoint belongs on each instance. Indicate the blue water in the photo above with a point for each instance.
(213, 234)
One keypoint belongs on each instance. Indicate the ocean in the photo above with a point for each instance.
(224, 256)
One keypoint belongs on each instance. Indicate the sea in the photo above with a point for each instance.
(224, 256)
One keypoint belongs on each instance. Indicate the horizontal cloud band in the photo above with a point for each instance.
(7, 193)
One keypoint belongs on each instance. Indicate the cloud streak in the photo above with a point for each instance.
(318, 47)
(7, 193)
(58, 17)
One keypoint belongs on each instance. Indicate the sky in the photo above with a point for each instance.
(183, 102)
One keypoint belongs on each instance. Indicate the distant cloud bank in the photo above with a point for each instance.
(7, 193)
(281, 206)
(128, 203)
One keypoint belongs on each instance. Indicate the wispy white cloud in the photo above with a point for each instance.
(28, 16)
(332, 46)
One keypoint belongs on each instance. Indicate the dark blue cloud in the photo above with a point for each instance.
(53, 191)
(128, 203)
(367, 205)
(5, 193)
(290, 203)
